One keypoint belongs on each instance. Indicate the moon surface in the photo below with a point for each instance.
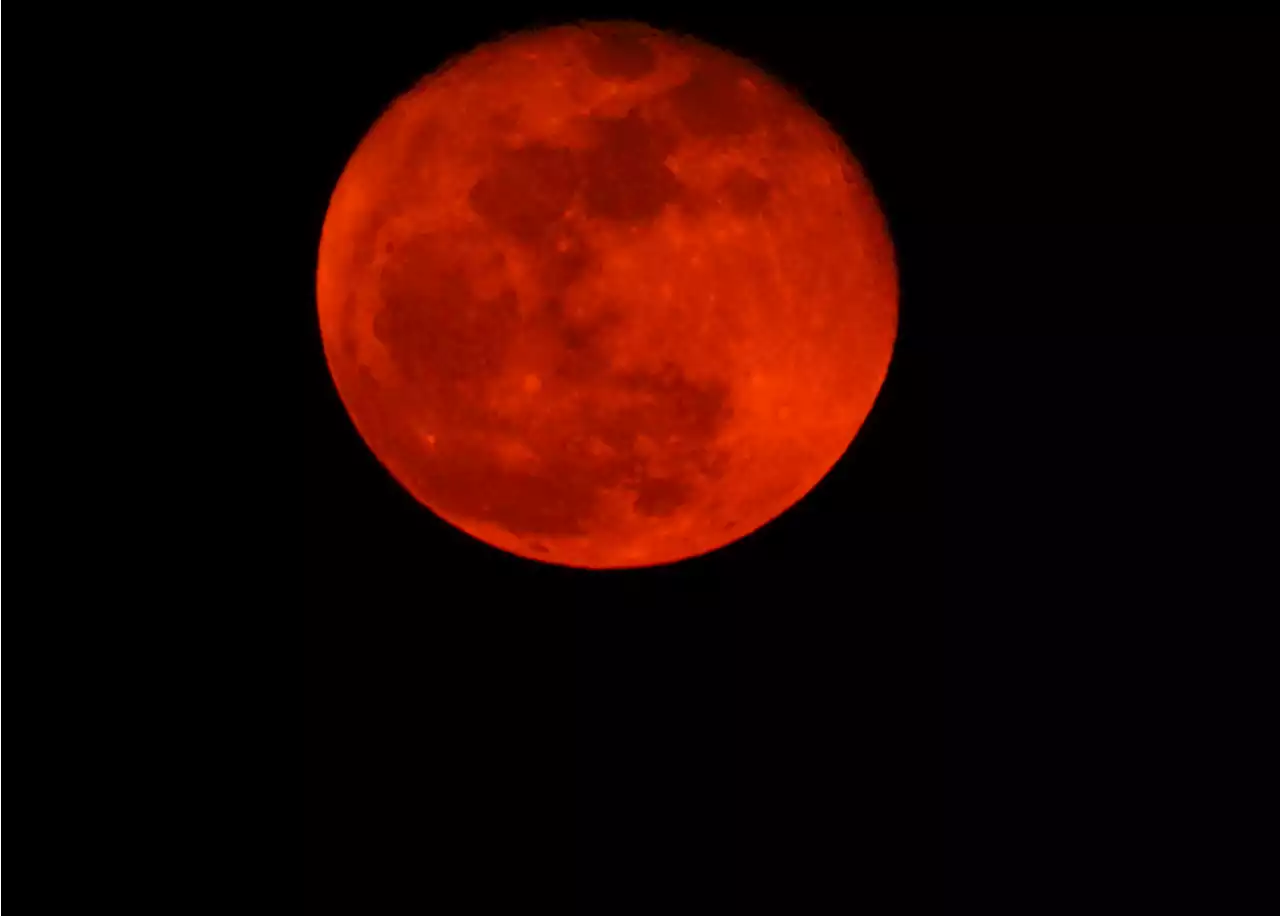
(604, 296)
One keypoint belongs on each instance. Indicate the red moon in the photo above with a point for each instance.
(604, 296)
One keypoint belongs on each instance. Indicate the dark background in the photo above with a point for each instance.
(973, 669)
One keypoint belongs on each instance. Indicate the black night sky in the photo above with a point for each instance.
(957, 670)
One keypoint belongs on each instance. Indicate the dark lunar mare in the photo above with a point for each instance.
(447, 342)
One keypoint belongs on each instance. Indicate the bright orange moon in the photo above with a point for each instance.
(604, 296)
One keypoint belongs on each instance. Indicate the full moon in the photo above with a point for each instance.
(604, 296)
